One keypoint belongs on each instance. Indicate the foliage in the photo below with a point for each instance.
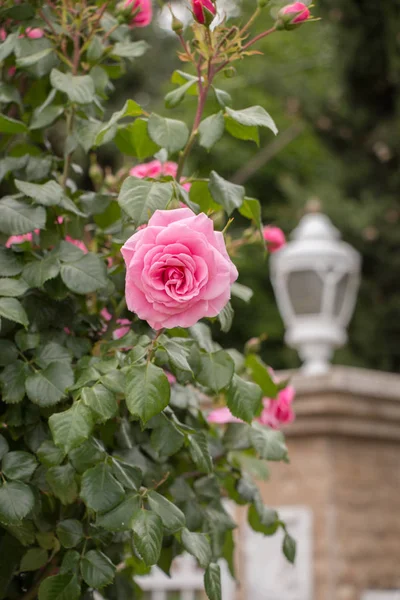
(108, 464)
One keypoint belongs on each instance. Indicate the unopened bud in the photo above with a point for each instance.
(176, 24)
(95, 171)
(110, 180)
(230, 72)
(292, 16)
(262, 3)
(204, 11)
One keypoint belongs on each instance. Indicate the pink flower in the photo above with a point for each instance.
(34, 33)
(120, 331)
(142, 12)
(3, 34)
(177, 269)
(292, 15)
(274, 238)
(203, 11)
(77, 243)
(19, 239)
(171, 378)
(151, 169)
(222, 415)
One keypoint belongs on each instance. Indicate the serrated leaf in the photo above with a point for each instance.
(7, 47)
(147, 534)
(227, 194)
(269, 443)
(177, 352)
(147, 391)
(48, 194)
(199, 452)
(16, 502)
(13, 382)
(69, 532)
(60, 587)
(33, 559)
(12, 287)
(289, 547)
(176, 96)
(198, 545)
(242, 132)
(223, 98)
(215, 370)
(166, 439)
(171, 516)
(261, 375)
(12, 309)
(255, 115)
(212, 581)
(263, 519)
(52, 352)
(97, 570)
(100, 490)
(211, 130)
(3, 446)
(101, 402)
(86, 455)
(225, 317)
(134, 140)
(10, 263)
(43, 117)
(120, 517)
(70, 562)
(130, 49)
(17, 217)
(49, 386)
(62, 482)
(71, 427)
(128, 475)
(244, 399)
(84, 276)
(19, 465)
(11, 126)
(79, 88)
(130, 109)
(49, 455)
(168, 133)
(251, 209)
(37, 272)
(140, 198)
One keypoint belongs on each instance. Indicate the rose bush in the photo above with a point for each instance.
(109, 295)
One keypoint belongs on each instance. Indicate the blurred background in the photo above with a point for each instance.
(333, 89)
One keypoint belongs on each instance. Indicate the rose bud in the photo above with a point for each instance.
(274, 238)
(203, 11)
(292, 16)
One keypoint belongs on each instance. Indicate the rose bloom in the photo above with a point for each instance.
(276, 412)
(120, 331)
(34, 33)
(155, 169)
(177, 269)
(274, 238)
(300, 11)
(201, 8)
(142, 12)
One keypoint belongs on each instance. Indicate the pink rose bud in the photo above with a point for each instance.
(203, 11)
(292, 16)
(274, 238)
(177, 269)
(141, 12)
(34, 33)
(279, 411)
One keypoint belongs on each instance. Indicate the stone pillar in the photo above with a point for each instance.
(344, 449)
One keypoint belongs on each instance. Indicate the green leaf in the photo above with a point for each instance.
(49, 386)
(200, 195)
(31, 59)
(16, 502)
(49, 455)
(215, 370)
(130, 109)
(70, 562)
(19, 465)
(7, 47)
(175, 97)
(241, 291)
(147, 534)
(120, 517)
(198, 545)
(244, 399)
(71, 427)
(168, 133)
(10, 263)
(12, 287)
(166, 439)
(52, 352)
(48, 194)
(12, 309)
(63, 483)
(8, 352)
(101, 402)
(33, 560)
(289, 547)
(79, 88)
(223, 98)
(211, 130)
(86, 275)
(70, 533)
(134, 140)
(128, 475)
(9, 94)
(140, 198)
(261, 375)
(60, 587)
(86, 455)
(251, 209)
(242, 132)
(17, 217)
(130, 49)
(225, 317)
(255, 115)
(199, 452)
(171, 516)
(97, 569)
(3, 446)
(177, 352)
(43, 117)
(13, 382)
(269, 443)
(11, 126)
(37, 272)
(263, 519)
(147, 391)
(100, 490)
(228, 195)
(212, 582)
(87, 131)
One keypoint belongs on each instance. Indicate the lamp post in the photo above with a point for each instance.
(315, 279)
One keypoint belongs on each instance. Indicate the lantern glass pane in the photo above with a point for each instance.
(305, 292)
(340, 295)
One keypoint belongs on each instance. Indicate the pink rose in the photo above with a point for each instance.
(120, 331)
(177, 269)
(292, 15)
(77, 243)
(203, 11)
(33, 33)
(142, 12)
(222, 415)
(3, 34)
(274, 238)
(171, 378)
(155, 169)
(19, 239)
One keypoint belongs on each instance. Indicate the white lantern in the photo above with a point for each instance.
(315, 279)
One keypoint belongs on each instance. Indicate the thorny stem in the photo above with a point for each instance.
(259, 37)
